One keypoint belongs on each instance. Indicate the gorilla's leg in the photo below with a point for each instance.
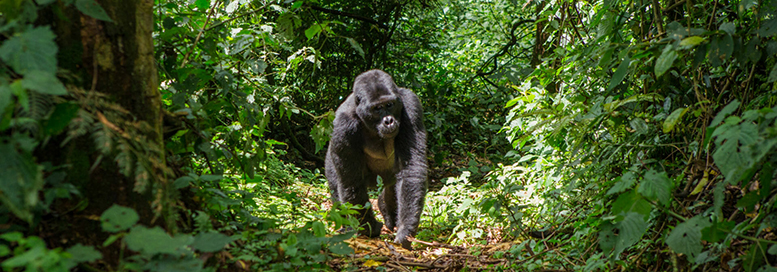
(334, 190)
(357, 195)
(387, 202)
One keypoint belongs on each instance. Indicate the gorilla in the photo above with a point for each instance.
(379, 131)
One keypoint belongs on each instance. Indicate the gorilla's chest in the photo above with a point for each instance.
(380, 156)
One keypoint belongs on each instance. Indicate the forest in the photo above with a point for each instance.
(560, 135)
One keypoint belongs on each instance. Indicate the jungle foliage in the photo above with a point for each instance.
(563, 135)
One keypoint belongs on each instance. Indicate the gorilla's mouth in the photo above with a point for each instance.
(388, 131)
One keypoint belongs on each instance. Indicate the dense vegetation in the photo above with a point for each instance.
(188, 135)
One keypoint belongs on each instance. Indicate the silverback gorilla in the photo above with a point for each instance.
(379, 131)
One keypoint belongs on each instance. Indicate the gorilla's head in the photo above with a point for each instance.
(377, 103)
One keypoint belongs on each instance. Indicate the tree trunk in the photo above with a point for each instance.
(112, 62)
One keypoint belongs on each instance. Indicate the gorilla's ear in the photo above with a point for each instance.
(357, 99)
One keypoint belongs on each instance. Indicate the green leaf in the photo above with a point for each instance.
(632, 227)
(92, 9)
(355, 45)
(43, 82)
(773, 74)
(686, 237)
(341, 248)
(721, 49)
(768, 28)
(754, 258)
(211, 177)
(639, 126)
(717, 231)
(734, 155)
(620, 73)
(747, 203)
(60, 118)
(155, 240)
(691, 41)
(202, 4)
(5, 97)
(118, 218)
(625, 182)
(631, 202)
(718, 198)
(33, 50)
(728, 28)
(656, 186)
(182, 182)
(607, 237)
(767, 268)
(673, 118)
(21, 180)
(728, 109)
(210, 241)
(319, 230)
(664, 62)
(312, 31)
(635, 98)
(297, 4)
(81, 253)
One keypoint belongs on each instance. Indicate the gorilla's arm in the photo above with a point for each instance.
(345, 158)
(411, 180)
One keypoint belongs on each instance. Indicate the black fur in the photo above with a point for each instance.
(379, 131)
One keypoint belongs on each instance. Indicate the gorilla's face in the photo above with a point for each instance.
(378, 105)
(381, 116)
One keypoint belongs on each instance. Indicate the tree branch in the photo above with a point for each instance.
(350, 15)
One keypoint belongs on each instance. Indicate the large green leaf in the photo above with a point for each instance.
(632, 227)
(202, 4)
(355, 45)
(768, 28)
(43, 82)
(82, 253)
(312, 31)
(635, 98)
(32, 50)
(21, 181)
(686, 236)
(93, 9)
(626, 181)
(620, 73)
(673, 118)
(60, 118)
(631, 202)
(754, 258)
(607, 237)
(728, 109)
(155, 240)
(734, 154)
(210, 241)
(118, 218)
(691, 41)
(656, 186)
(664, 62)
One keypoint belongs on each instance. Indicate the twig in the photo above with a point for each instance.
(199, 35)
(427, 265)
(434, 244)
(350, 15)
(676, 4)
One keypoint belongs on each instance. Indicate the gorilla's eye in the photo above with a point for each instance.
(378, 107)
(389, 105)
